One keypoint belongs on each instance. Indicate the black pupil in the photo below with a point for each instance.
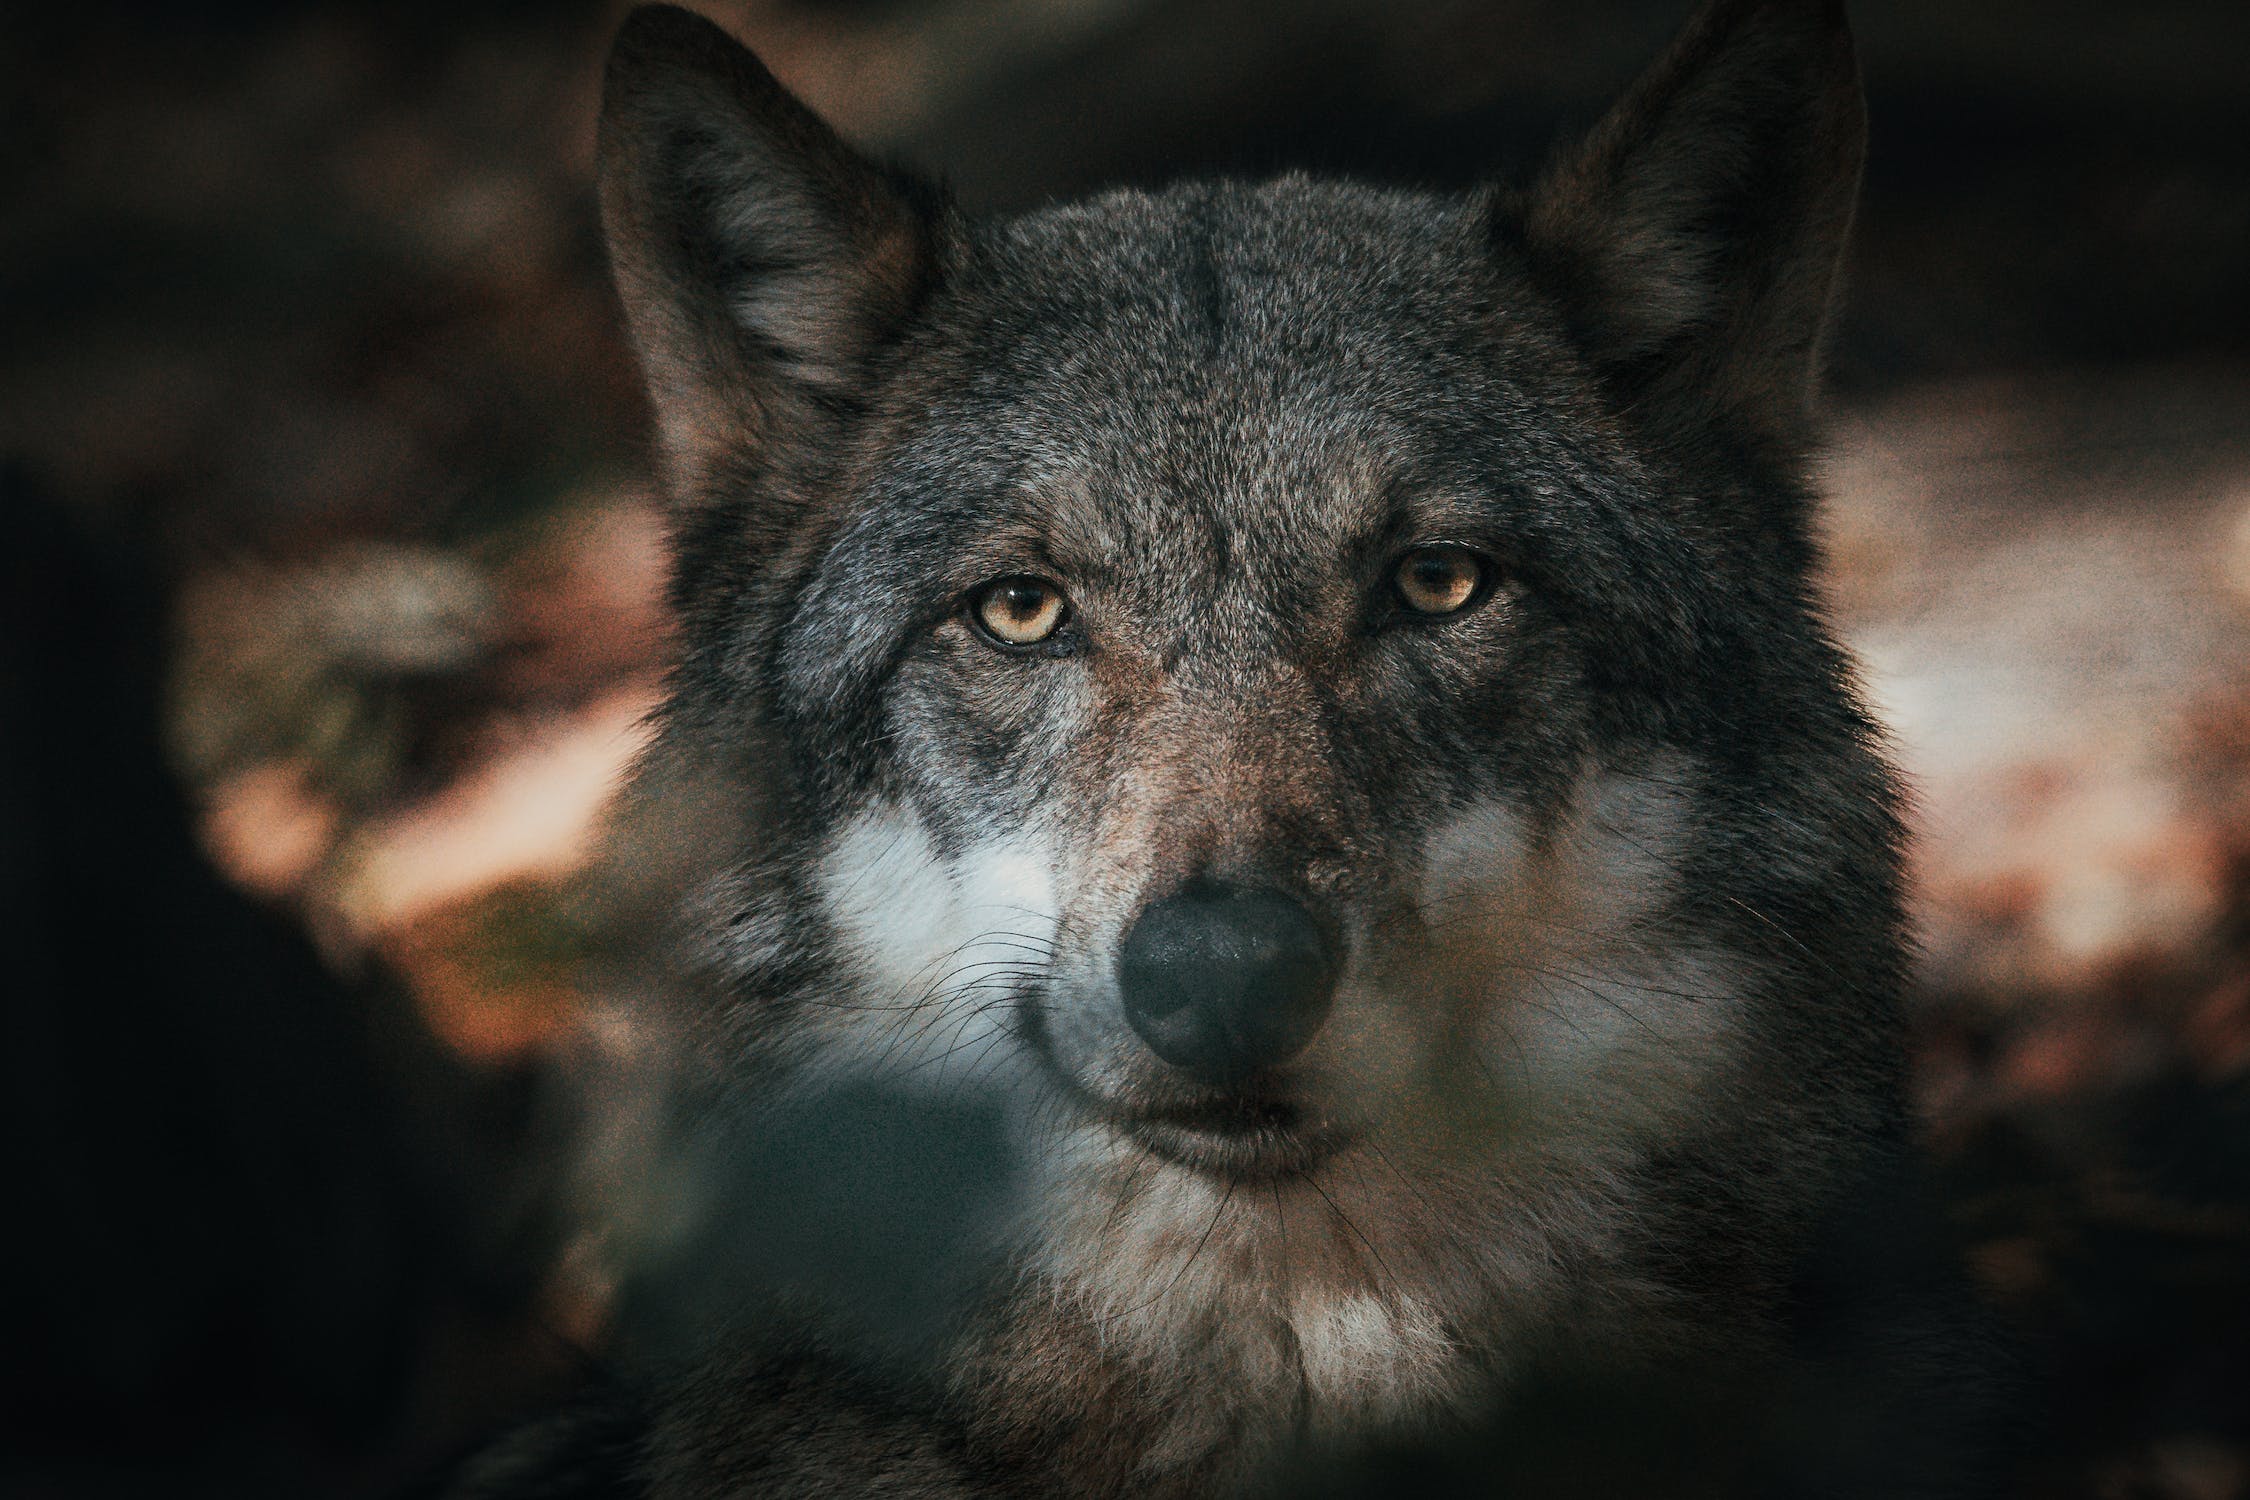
(1022, 602)
(1437, 575)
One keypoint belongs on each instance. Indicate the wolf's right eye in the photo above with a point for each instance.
(1019, 611)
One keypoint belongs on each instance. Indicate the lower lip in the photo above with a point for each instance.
(1262, 1152)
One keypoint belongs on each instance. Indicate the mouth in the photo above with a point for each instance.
(1245, 1137)
(1261, 1131)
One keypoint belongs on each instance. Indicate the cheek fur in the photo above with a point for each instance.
(983, 738)
(940, 944)
(1584, 1009)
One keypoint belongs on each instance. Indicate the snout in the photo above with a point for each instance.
(1224, 981)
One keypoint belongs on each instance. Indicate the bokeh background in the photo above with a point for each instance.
(332, 601)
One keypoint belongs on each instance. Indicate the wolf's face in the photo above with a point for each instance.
(1205, 670)
(1313, 684)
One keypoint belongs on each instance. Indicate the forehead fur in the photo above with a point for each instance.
(1134, 315)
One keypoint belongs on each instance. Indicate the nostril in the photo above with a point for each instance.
(1221, 981)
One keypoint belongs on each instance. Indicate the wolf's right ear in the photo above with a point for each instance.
(760, 259)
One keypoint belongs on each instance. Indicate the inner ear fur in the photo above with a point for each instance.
(1694, 237)
(761, 261)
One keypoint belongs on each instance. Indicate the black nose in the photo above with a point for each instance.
(1221, 981)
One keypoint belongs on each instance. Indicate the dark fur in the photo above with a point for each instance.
(1218, 410)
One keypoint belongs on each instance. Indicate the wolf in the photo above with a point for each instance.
(1313, 697)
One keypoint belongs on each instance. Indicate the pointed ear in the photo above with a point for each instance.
(761, 261)
(1694, 237)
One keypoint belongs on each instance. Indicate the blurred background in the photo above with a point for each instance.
(330, 600)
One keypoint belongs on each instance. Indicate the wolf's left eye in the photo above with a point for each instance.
(1440, 580)
(1019, 611)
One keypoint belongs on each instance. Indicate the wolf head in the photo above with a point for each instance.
(1317, 685)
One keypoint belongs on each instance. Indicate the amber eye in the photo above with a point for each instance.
(1019, 611)
(1439, 580)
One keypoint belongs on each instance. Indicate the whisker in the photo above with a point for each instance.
(1312, 1181)
(1189, 1264)
(1405, 1181)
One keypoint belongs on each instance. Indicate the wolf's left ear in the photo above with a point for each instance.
(760, 259)
(1694, 237)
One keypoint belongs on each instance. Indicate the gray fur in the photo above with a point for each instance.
(1614, 853)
